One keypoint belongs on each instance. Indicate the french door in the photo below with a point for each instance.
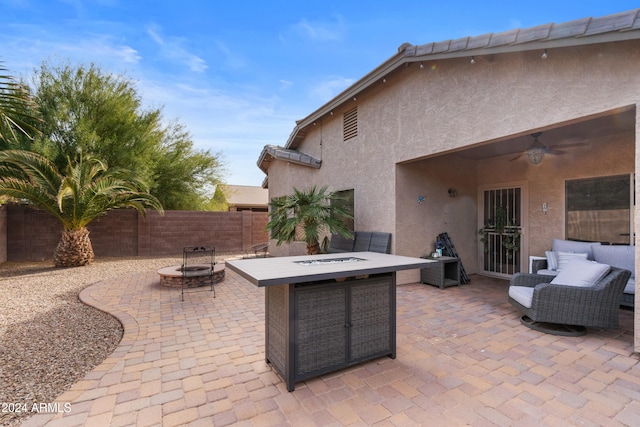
(501, 216)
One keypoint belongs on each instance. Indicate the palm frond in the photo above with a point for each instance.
(88, 190)
(306, 215)
(16, 109)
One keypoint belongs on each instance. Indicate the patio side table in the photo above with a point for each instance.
(445, 272)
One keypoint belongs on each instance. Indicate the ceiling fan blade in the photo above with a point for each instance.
(555, 151)
(575, 144)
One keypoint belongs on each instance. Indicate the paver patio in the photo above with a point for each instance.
(462, 359)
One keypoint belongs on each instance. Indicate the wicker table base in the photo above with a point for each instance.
(320, 327)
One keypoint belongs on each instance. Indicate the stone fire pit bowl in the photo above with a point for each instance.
(171, 277)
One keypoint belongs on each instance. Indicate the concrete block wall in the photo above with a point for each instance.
(3, 234)
(32, 235)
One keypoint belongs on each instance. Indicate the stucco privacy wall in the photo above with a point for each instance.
(32, 235)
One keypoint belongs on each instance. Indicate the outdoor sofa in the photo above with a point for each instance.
(584, 294)
(363, 241)
(562, 251)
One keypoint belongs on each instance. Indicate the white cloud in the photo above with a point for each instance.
(231, 59)
(173, 48)
(321, 31)
(328, 89)
(285, 84)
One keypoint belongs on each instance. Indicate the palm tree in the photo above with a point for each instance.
(16, 109)
(306, 216)
(88, 190)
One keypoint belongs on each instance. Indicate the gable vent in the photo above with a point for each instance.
(350, 124)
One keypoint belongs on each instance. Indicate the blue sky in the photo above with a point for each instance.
(238, 74)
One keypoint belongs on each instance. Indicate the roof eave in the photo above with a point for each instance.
(622, 26)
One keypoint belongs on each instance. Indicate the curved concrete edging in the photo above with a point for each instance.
(130, 325)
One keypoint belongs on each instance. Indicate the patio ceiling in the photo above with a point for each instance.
(581, 131)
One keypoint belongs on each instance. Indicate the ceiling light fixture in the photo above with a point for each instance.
(535, 153)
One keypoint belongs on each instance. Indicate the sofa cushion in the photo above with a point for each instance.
(522, 294)
(581, 272)
(547, 272)
(552, 260)
(560, 245)
(565, 258)
(621, 256)
(630, 288)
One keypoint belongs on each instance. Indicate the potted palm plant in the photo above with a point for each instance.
(308, 216)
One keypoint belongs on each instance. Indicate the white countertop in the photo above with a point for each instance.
(282, 270)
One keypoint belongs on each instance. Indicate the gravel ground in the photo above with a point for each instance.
(48, 338)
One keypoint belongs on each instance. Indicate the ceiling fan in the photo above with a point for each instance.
(536, 151)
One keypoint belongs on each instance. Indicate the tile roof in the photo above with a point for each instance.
(276, 152)
(573, 32)
(616, 27)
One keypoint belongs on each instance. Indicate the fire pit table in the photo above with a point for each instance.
(326, 312)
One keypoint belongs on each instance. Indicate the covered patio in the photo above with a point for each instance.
(462, 359)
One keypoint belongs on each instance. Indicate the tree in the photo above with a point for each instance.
(306, 216)
(219, 202)
(88, 190)
(183, 177)
(102, 114)
(17, 111)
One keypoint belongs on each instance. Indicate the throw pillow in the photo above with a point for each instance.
(552, 260)
(581, 272)
(565, 257)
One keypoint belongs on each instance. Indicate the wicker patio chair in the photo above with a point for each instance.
(380, 242)
(568, 310)
(197, 262)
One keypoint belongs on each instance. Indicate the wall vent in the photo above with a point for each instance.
(350, 124)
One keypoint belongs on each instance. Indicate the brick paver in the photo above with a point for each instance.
(463, 358)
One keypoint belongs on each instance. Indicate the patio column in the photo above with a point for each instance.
(636, 227)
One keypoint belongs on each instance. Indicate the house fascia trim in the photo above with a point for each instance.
(622, 26)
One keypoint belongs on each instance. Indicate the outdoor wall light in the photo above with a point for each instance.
(535, 154)
(545, 55)
(473, 59)
(421, 199)
(421, 65)
(452, 192)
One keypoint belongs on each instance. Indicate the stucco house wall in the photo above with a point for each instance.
(416, 122)
(420, 113)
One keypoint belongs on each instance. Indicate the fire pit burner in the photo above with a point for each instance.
(328, 261)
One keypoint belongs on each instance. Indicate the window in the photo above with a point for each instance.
(344, 199)
(599, 209)
(350, 124)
